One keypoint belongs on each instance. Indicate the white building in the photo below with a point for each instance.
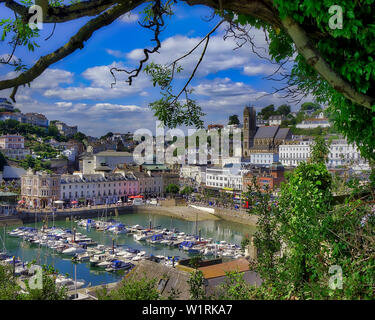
(264, 158)
(12, 142)
(229, 177)
(293, 154)
(276, 120)
(91, 164)
(71, 154)
(195, 173)
(66, 130)
(314, 123)
(341, 153)
(13, 146)
(98, 188)
(5, 104)
(150, 184)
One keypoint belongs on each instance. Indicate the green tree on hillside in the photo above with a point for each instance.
(53, 131)
(284, 110)
(233, 119)
(320, 151)
(187, 190)
(172, 188)
(310, 106)
(79, 136)
(268, 111)
(131, 289)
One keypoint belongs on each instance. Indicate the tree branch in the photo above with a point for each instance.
(66, 13)
(261, 9)
(155, 25)
(314, 59)
(75, 42)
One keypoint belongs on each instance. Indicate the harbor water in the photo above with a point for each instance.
(218, 230)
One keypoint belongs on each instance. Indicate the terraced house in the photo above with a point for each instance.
(40, 189)
(13, 146)
(98, 188)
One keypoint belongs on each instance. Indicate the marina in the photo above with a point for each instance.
(103, 250)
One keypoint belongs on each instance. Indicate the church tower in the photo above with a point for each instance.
(249, 129)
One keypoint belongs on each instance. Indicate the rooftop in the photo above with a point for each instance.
(282, 133)
(112, 153)
(167, 279)
(266, 132)
(219, 270)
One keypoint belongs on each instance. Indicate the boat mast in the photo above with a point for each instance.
(196, 224)
(75, 279)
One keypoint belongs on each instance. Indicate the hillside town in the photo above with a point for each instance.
(51, 164)
(52, 171)
(214, 152)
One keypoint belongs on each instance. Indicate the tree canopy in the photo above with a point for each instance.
(310, 246)
(331, 49)
(233, 119)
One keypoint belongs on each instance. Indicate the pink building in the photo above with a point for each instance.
(12, 142)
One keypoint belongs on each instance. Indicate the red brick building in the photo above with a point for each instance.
(272, 176)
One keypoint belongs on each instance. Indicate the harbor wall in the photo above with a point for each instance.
(236, 216)
(239, 216)
(10, 221)
(172, 202)
(32, 216)
(183, 212)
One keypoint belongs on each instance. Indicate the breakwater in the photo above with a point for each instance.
(29, 216)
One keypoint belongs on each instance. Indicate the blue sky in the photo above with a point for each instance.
(77, 89)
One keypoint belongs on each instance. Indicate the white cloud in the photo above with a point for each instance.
(62, 104)
(129, 17)
(103, 107)
(116, 53)
(50, 78)
(222, 96)
(5, 57)
(220, 54)
(100, 85)
(252, 70)
(94, 119)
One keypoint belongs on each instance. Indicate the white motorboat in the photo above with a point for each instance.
(140, 236)
(119, 265)
(68, 283)
(82, 257)
(97, 258)
(73, 250)
(138, 258)
(141, 253)
(106, 263)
